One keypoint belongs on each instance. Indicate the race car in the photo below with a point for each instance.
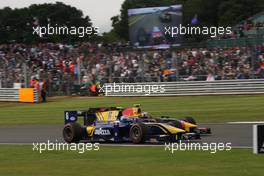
(165, 17)
(115, 124)
(187, 123)
(157, 35)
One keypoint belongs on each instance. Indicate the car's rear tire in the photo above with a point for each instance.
(72, 132)
(138, 133)
(190, 120)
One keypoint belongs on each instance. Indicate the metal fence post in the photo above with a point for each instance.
(25, 75)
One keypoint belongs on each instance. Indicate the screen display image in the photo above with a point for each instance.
(147, 26)
(142, 87)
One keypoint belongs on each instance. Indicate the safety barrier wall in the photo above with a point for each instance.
(28, 95)
(221, 87)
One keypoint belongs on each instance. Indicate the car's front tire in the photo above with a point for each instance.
(138, 133)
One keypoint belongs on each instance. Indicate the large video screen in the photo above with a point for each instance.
(147, 26)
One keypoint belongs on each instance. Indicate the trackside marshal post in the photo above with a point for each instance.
(258, 139)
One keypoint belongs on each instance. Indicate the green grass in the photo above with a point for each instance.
(203, 108)
(111, 161)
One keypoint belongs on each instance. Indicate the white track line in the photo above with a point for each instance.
(129, 145)
(248, 122)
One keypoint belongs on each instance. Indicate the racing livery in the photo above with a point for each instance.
(116, 124)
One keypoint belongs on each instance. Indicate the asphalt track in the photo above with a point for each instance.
(240, 135)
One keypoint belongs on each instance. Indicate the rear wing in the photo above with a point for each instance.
(70, 116)
(73, 116)
(103, 114)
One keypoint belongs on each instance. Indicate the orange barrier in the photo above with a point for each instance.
(28, 95)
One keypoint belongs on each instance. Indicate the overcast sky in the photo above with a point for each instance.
(100, 11)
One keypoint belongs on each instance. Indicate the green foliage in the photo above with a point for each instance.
(110, 37)
(16, 24)
(233, 11)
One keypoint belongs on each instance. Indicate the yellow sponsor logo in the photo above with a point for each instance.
(90, 130)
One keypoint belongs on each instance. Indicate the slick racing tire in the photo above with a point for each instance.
(137, 133)
(72, 132)
(190, 120)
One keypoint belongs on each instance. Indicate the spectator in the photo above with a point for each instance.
(64, 66)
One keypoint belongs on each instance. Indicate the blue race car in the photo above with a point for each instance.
(113, 124)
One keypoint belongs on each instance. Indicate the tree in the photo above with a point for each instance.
(16, 24)
(232, 12)
(110, 37)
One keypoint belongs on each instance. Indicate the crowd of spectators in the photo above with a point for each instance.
(64, 65)
(247, 28)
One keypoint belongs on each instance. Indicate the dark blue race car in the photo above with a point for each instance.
(113, 124)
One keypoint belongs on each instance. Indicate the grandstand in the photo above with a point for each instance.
(249, 32)
(67, 67)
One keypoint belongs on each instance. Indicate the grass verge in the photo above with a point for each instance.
(203, 108)
(21, 160)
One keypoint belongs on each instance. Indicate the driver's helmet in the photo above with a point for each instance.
(145, 115)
